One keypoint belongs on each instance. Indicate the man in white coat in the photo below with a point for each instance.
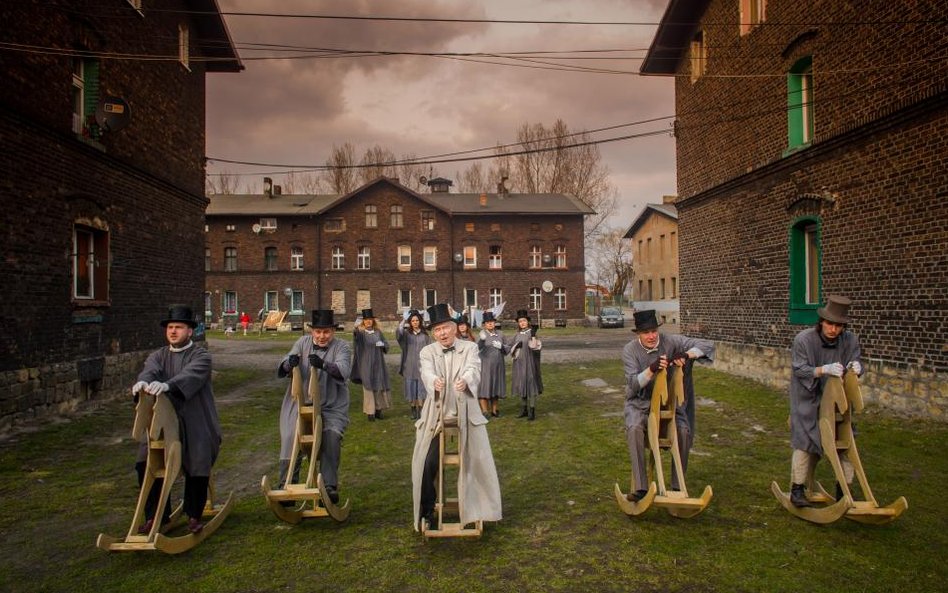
(451, 372)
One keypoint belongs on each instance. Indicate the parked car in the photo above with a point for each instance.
(610, 317)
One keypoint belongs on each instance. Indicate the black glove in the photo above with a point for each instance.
(315, 361)
(293, 361)
(681, 357)
(656, 366)
(533, 330)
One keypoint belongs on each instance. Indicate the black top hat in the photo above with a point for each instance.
(180, 314)
(367, 314)
(438, 314)
(464, 320)
(523, 314)
(836, 309)
(488, 316)
(322, 318)
(645, 320)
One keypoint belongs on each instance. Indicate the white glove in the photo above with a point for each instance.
(380, 343)
(855, 366)
(138, 387)
(496, 344)
(482, 335)
(834, 369)
(156, 387)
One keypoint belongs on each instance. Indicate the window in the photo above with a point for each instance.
(641, 253)
(85, 97)
(648, 249)
(470, 256)
(495, 297)
(334, 225)
(800, 104)
(270, 259)
(396, 217)
(371, 217)
(699, 55)
(469, 227)
(560, 257)
(364, 260)
(404, 298)
(296, 302)
(338, 299)
(404, 257)
(661, 286)
(559, 299)
(230, 303)
(648, 296)
(673, 248)
(427, 220)
(753, 13)
(296, 258)
(208, 306)
(641, 290)
(268, 224)
(207, 259)
(230, 259)
(470, 297)
(230, 228)
(430, 255)
(270, 301)
(431, 297)
(674, 282)
(805, 261)
(661, 247)
(495, 227)
(536, 256)
(184, 52)
(535, 299)
(90, 263)
(338, 259)
(363, 299)
(495, 258)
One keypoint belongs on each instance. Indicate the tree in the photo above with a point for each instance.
(224, 182)
(377, 162)
(340, 175)
(302, 183)
(612, 261)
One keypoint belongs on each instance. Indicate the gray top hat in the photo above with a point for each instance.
(836, 309)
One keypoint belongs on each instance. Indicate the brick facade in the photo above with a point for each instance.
(138, 189)
(456, 224)
(873, 177)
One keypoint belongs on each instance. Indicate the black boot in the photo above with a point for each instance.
(798, 496)
(523, 412)
(533, 414)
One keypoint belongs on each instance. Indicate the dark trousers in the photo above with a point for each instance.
(195, 495)
(151, 503)
(330, 452)
(429, 478)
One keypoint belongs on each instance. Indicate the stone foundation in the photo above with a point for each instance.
(907, 390)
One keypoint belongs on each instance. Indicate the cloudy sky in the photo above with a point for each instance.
(292, 111)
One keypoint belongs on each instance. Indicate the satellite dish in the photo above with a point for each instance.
(547, 286)
(256, 228)
(112, 114)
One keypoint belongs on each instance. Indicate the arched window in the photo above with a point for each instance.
(805, 280)
(800, 103)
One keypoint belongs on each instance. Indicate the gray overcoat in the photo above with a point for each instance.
(188, 375)
(493, 368)
(806, 391)
(478, 486)
(525, 370)
(368, 365)
(333, 389)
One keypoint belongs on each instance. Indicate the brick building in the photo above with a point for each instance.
(387, 247)
(102, 217)
(653, 239)
(812, 145)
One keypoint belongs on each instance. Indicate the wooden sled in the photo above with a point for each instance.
(306, 498)
(156, 421)
(663, 434)
(841, 397)
(449, 443)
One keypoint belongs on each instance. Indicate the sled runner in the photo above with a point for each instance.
(450, 459)
(841, 397)
(663, 434)
(299, 500)
(156, 421)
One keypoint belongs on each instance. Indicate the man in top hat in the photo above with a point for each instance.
(817, 353)
(368, 366)
(182, 371)
(322, 351)
(451, 372)
(492, 350)
(642, 358)
(525, 379)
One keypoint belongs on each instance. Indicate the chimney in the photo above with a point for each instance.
(483, 200)
(267, 186)
(669, 199)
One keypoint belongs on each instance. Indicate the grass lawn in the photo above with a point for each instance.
(562, 530)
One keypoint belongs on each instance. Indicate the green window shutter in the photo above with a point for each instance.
(802, 310)
(91, 75)
(795, 99)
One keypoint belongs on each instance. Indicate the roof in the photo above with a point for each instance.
(668, 210)
(673, 37)
(452, 204)
(212, 28)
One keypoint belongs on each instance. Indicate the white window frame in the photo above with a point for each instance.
(338, 259)
(364, 258)
(430, 258)
(296, 258)
(184, 47)
(268, 224)
(83, 238)
(536, 257)
(404, 258)
(296, 302)
(397, 217)
(470, 256)
(230, 259)
(495, 297)
(371, 216)
(495, 257)
(536, 298)
(559, 299)
(470, 297)
(427, 220)
(559, 257)
(404, 299)
(431, 297)
(229, 298)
